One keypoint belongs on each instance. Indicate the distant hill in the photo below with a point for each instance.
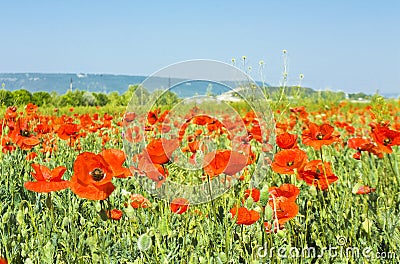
(105, 83)
(60, 82)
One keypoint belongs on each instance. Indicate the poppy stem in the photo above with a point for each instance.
(262, 226)
(392, 167)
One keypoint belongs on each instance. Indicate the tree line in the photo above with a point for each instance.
(135, 93)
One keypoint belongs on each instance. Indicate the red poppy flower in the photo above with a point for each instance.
(68, 131)
(7, 144)
(47, 180)
(31, 109)
(365, 190)
(152, 116)
(318, 174)
(31, 156)
(11, 113)
(114, 214)
(386, 138)
(362, 144)
(300, 110)
(286, 140)
(272, 228)
(287, 190)
(92, 177)
(160, 150)
(22, 136)
(116, 158)
(155, 172)
(3, 261)
(223, 161)
(317, 136)
(285, 210)
(254, 193)
(287, 160)
(245, 216)
(139, 201)
(179, 205)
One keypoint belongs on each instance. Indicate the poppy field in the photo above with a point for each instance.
(328, 189)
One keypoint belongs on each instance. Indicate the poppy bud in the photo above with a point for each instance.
(222, 257)
(144, 242)
(264, 196)
(313, 191)
(269, 212)
(249, 202)
(281, 233)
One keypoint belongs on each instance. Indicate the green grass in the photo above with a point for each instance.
(72, 230)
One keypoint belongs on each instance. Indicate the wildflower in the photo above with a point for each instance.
(362, 144)
(68, 131)
(245, 216)
(224, 161)
(160, 150)
(31, 109)
(47, 180)
(92, 177)
(114, 214)
(116, 158)
(288, 160)
(253, 193)
(318, 174)
(317, 136)
(386, 138)
(286, 140)
(139, 201)
(363, 189)
(287, 190)
(22, 136)
(179, 205)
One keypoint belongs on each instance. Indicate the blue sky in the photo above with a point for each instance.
(340, 45)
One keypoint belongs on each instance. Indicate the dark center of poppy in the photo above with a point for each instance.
(25, 133)
(160, 177)
(387, 141)
(320, 136)
(97, 174)
(290, 163)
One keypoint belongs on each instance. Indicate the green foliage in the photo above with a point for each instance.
(22, 97)
(41, 98)
(101, 99)
(6, 98)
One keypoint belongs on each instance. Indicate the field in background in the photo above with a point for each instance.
(65, 228)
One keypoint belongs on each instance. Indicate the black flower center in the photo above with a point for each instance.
(25, 133)
(97, 174)
(290, 163)
(320, 136)
(387, 141)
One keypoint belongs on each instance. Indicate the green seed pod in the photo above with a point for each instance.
(264, 196)
(223, 257)
(281, 233)
(269, 212)
(6, 217)
(144, 242)
(313, 191)
(20, 217)
(249, 202)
